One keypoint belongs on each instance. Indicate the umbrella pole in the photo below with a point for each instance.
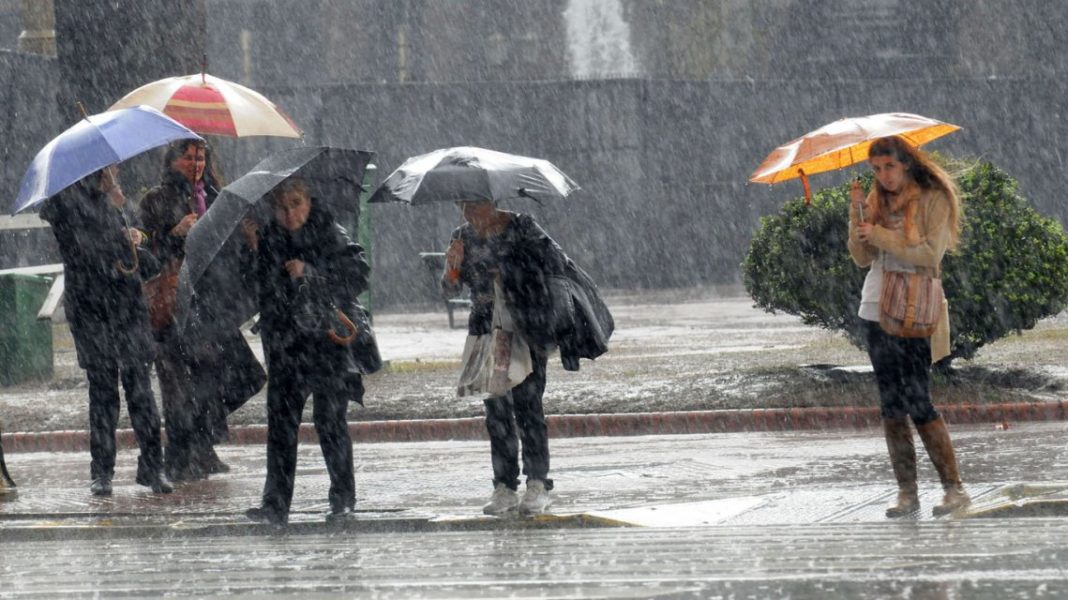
(808, 188)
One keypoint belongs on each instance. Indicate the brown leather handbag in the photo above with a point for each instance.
(910, 304)
(161, 295)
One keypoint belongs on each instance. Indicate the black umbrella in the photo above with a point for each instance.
(210, 281)
(470, 173)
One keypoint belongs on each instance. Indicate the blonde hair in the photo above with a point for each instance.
(925, 173)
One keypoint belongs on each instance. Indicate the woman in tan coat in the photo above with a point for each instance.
(907, 222)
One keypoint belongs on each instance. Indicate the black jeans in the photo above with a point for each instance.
(104, 417)
(521, 406)
(287, 393)
(902, 370)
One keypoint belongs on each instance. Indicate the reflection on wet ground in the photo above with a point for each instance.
(746, 515)
(901, 560)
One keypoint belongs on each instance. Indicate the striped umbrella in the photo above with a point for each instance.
(213, 106)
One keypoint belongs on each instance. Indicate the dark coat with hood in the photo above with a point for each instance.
(104, 306)
(335, 273)
(553, 302)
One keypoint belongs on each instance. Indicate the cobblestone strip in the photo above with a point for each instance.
(619, 424)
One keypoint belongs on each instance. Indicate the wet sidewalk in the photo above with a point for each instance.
(731, 479)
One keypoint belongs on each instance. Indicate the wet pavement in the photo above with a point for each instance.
(741, 515)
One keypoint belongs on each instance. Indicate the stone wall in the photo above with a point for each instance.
(29, 117)
(663, 159)
(663, 165)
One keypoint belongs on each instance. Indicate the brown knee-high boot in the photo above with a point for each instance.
(939, 447)
(903, 460)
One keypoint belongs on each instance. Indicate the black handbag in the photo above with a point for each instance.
(365, 347)
(316, 316)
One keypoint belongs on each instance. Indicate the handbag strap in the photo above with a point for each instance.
(913, 293)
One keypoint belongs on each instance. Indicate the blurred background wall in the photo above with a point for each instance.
(659, 109)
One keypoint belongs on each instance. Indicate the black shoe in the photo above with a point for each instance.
(212, 464)
(189, 472)
(338, 517)
(158, 483)
(263, 514)
(101, 487)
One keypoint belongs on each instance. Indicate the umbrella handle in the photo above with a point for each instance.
(808, 188)
(136, 262)
(337, 339)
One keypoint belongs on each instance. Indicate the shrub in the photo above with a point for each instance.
(1010, 270)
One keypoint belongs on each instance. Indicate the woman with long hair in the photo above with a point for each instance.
(195, 367)
(909, 220)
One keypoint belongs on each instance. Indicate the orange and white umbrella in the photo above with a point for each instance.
(213, 106)
(843, 143)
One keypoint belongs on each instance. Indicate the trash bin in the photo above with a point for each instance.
(25, 342)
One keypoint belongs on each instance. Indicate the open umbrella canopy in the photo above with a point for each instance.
(211, 271)
(93, 143)
(843, 143)
(213, 106)
(470, 173)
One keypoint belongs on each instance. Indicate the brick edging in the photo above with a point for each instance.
(594, 425)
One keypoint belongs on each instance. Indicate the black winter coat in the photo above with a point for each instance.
(335, 272)
(163, 207)
(105, 307)
(553, 302)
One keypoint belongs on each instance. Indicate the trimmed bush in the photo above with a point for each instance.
(1010, 270)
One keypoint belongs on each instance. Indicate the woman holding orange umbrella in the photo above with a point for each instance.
(901, 231)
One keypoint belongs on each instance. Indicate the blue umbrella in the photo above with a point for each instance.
(93, 143)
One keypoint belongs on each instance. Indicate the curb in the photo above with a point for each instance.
(594, 425)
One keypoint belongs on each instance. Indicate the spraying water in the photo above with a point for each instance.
(599, 39)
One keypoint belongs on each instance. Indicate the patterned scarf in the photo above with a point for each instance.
(201, 197)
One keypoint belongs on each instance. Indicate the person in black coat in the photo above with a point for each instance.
(486, 252)
(109, 322)
(306, 270)
(204, 368)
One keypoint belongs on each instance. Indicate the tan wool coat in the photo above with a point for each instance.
(922, 242)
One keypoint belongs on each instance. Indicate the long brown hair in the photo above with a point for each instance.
(925, 173)
(178, 148)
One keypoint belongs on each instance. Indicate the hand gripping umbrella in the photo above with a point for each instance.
(211, 271)
(470, 173)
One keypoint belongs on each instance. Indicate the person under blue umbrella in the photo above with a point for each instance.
(109, 321)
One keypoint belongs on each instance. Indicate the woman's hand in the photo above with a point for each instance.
(251, 231)
(454, 257)
(864, 231)
(183, 226)
(134, 236)
(856, 195)
(295, 268)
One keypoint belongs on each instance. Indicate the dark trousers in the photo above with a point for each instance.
(183, 395)
(520, 409)
(902, 371)
(207, 387)
(286, 395)
(104, 417)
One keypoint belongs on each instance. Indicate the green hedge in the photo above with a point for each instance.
(1010, 270)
